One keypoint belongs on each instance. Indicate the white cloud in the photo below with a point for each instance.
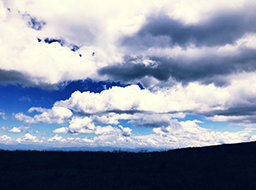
(93, 25)
(28, 138)
(126, 131)
(132, 98)
(188, 133)
(79, 125)
(5, 139)
(55, 138)
(176, 135)
(55, 115)
(193, 98)
(15, 130)
(198, 10)
(109, 130)
(104, 119)
(25, 118)
(61, 130)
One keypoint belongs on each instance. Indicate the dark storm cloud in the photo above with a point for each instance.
(207, 69)
(221, 29)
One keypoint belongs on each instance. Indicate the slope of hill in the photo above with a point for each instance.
(229, 167)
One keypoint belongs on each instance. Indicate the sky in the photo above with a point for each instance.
(127, 74)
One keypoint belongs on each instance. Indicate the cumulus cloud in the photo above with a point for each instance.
(5, 139)
(236, 99)
(55, 115)
(18, 129)
(132, 99)
(28, 138)
(79, 125)
(176, 135)
(15, 130)
(188, 133)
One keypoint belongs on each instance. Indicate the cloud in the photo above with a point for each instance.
(236, 99)
(18, 129)
(55, 115)
(79, 125)
(176, 135)
(188, 133)
(15, 130)
(104, 119)
(206, 65)
(55, 138)
(128, 71)
(221, 29)
(109, 130)
(3, 115)
(201, 62)
(83, 110)
(28, 138)
(5, 139)
(22, 51)
(61, 130)
(153, 120)
(4, 127)
(88, 27)
(138, 29)
(132, 99)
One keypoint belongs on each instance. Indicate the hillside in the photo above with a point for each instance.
(229, 167)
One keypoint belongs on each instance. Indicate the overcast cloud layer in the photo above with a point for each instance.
(190, 58)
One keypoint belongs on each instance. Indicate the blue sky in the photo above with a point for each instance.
(127, 74)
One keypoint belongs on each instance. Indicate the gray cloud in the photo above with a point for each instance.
(153, 120)
(130, 71)
(12, 77)
(236, 110)
(15, 77)
(220, 29)
(207, 69)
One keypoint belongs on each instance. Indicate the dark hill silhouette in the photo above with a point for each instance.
(229, 167)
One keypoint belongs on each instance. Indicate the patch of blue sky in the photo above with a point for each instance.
(11, 123)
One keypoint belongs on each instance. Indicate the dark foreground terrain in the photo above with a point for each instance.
(223, 167)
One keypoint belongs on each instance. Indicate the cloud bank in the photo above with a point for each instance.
(199, 63)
